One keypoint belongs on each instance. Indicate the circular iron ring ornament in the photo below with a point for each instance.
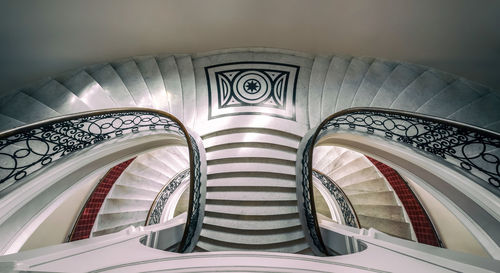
(252, 87)
(29, 148)
(462, 145)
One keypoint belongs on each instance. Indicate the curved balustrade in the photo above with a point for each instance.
(28, 149)
(348, 213)
(160, 203)
(472, 149)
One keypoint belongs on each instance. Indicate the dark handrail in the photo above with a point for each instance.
(445, 139)
(158, 205)
(31, 147)
(348, 212)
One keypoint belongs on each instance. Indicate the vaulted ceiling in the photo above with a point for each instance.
(43, 38)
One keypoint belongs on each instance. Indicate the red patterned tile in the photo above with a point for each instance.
(87, 217)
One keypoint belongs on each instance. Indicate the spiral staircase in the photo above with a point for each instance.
(129, 201)
(251, 202)
(372, 197)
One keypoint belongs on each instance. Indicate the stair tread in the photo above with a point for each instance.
(252, 237)
(214, 245)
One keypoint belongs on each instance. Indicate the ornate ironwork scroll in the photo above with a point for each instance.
(161, 200)
(307, 209)
(197, 197)
(27, 149)
(346, 208)
(472, 149)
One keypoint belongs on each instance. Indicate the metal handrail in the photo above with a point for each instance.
(32, 147)
(444, 139)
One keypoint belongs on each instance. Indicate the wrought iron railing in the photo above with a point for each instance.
(158, 207)
(472, 149)
(28, 149)
(345, 206)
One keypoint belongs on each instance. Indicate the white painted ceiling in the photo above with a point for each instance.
(43, 38)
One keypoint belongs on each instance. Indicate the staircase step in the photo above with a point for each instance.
(240, 136)
(373, 185)
(9, 106)
(374, 78)
(394, 228)
(132, 78)
(252, 237)
(116, 205)
(251, 207)
(374, 198)
(89, 91)
(173, 86)
(124, 192)
(142, 169)
(288, 247)
(111, 220)
(167, 170)
(58, 97)
(137, 181)
(253, 152)
(251, 167)
(352, 166)
(153, 78)
(111, 82)
(244, 222)
(256, 193)
(249, 181)
(116, 229)
(7, 123)
(362, 175)
(389, 212)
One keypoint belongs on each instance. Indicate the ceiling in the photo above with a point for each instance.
(43, 38)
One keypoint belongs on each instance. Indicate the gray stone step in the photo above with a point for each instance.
(89, 91)
(394, 228)
(111, 82)
(256, 152)
(352, 79)
(116, 229)
(402, 76)
(249, 137)
(252, 237)
(419, 91)
(111, 220)
(289, 247)
(334, 78)
(249, 181)
(251, 207)
(373, 185)
(117, 205)
(127, 192)
(362, 175)
(9, 106)
(152, 77)
(173, 86)
(137, 181)
(389, 212)
(143, 170)
(132, 78)
(373, 198)
(7, 122)
(186, 73)
(243, 222)
(251, 167)
(58, 97)
(378, 72)
(254, 193)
